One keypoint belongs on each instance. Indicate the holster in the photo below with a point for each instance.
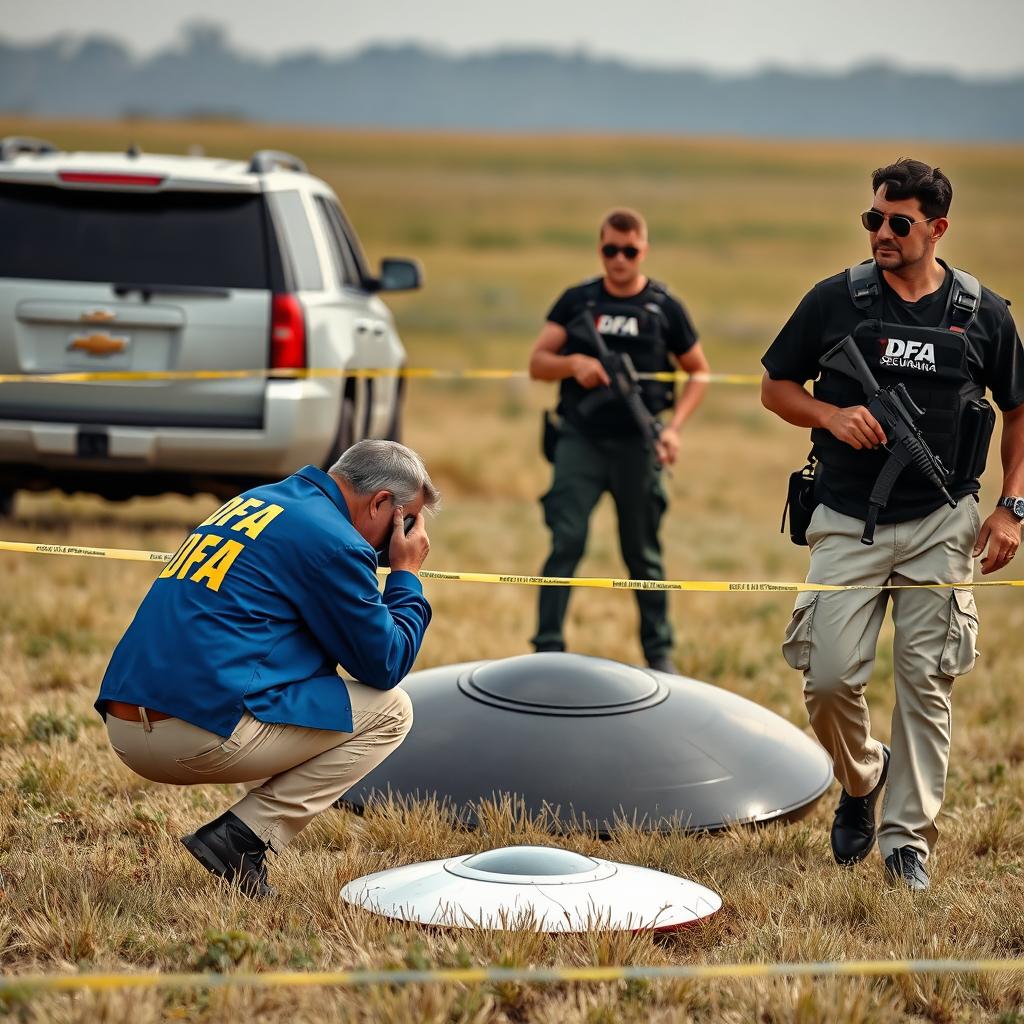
(551, 430)
(800, 503)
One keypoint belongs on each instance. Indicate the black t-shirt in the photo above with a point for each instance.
(674, 328)
(826, 315)
(679, 335)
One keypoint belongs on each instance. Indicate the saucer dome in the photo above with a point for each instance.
(593, 742)
(536, 888)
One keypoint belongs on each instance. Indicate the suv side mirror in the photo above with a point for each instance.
(399, 276)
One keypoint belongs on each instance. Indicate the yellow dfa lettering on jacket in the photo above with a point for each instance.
(176, 559)
(254, 525)
(197, 554)
(207, 557)
(226, 507)
(215, 568)
(235, 511)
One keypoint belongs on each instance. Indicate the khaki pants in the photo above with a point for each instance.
(832, 638)
(294, 773)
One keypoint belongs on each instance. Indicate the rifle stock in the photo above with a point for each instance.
(846, 358)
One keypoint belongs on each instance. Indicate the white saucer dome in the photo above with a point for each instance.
(534, 888)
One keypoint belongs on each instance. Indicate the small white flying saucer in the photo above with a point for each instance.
(534, 888)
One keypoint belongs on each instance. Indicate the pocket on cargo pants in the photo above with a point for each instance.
(796, 644)
(960, 651)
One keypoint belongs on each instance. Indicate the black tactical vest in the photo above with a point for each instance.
(634, 327)
(930, 362)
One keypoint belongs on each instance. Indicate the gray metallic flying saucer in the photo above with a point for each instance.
(534, 888)
(593, 743)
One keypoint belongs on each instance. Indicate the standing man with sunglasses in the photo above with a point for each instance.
(600, 447)
(935, 330)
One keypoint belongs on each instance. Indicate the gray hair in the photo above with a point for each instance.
(370, 466)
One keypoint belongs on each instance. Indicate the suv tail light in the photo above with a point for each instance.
(287, 334)
(89, 178)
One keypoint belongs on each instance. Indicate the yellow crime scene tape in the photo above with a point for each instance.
(15, 986)
(312, 373)
(592, 582)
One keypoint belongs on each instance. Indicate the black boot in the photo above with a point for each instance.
(229, 848)
(853, 828)
(904, 865)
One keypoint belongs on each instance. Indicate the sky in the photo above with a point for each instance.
(976, 39)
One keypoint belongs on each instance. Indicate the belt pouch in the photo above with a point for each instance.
(800, 504)
(976, 426)
(552, 428)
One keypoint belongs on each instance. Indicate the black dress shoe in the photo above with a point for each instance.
(227, 847)
(853, 828)
(904, 865)
(663, 663)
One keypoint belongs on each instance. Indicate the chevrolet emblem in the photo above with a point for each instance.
(98, 316)
(98, 344)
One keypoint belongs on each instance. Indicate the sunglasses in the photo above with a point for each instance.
(610, 251)
(899, 223)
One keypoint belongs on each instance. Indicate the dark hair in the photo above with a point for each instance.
(625, 221)
(912, 179)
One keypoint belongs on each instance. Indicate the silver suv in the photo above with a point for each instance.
(132, 261)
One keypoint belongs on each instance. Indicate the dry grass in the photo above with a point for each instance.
(91, 874)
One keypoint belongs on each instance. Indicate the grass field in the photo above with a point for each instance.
(91, 874)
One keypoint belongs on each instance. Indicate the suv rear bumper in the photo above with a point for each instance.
(299, 425)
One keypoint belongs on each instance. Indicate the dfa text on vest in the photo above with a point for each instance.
(913, 355)
(619, 326)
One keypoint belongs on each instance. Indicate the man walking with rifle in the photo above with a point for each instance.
(603, 340)
(903, 348)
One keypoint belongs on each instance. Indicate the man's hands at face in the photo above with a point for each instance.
(408, 551)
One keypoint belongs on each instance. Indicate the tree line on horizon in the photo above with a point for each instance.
(413, 87)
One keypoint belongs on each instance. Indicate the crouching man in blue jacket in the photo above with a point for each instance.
(228, 673)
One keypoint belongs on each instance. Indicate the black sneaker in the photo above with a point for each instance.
(227, 847)
(904, 865)
(663, 663)
(854, 828)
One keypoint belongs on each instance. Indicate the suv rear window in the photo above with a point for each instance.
(185, 238)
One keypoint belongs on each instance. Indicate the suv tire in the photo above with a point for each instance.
(345, 435)
(395, 427)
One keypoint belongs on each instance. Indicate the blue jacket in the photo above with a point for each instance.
(258, 607)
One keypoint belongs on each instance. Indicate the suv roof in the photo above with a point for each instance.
(35, 161)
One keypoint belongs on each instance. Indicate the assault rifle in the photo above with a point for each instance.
(625, 384)
(897, 413)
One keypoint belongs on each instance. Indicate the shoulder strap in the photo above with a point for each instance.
(964, 301)
(865, 290)
(659, 295)
(591, 290)
(659, 290)
(961, 308)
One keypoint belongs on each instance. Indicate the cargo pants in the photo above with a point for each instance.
(290, 773)
(832, 638)
(584, 469)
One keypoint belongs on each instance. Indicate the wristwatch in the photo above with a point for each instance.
(1014, 504)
